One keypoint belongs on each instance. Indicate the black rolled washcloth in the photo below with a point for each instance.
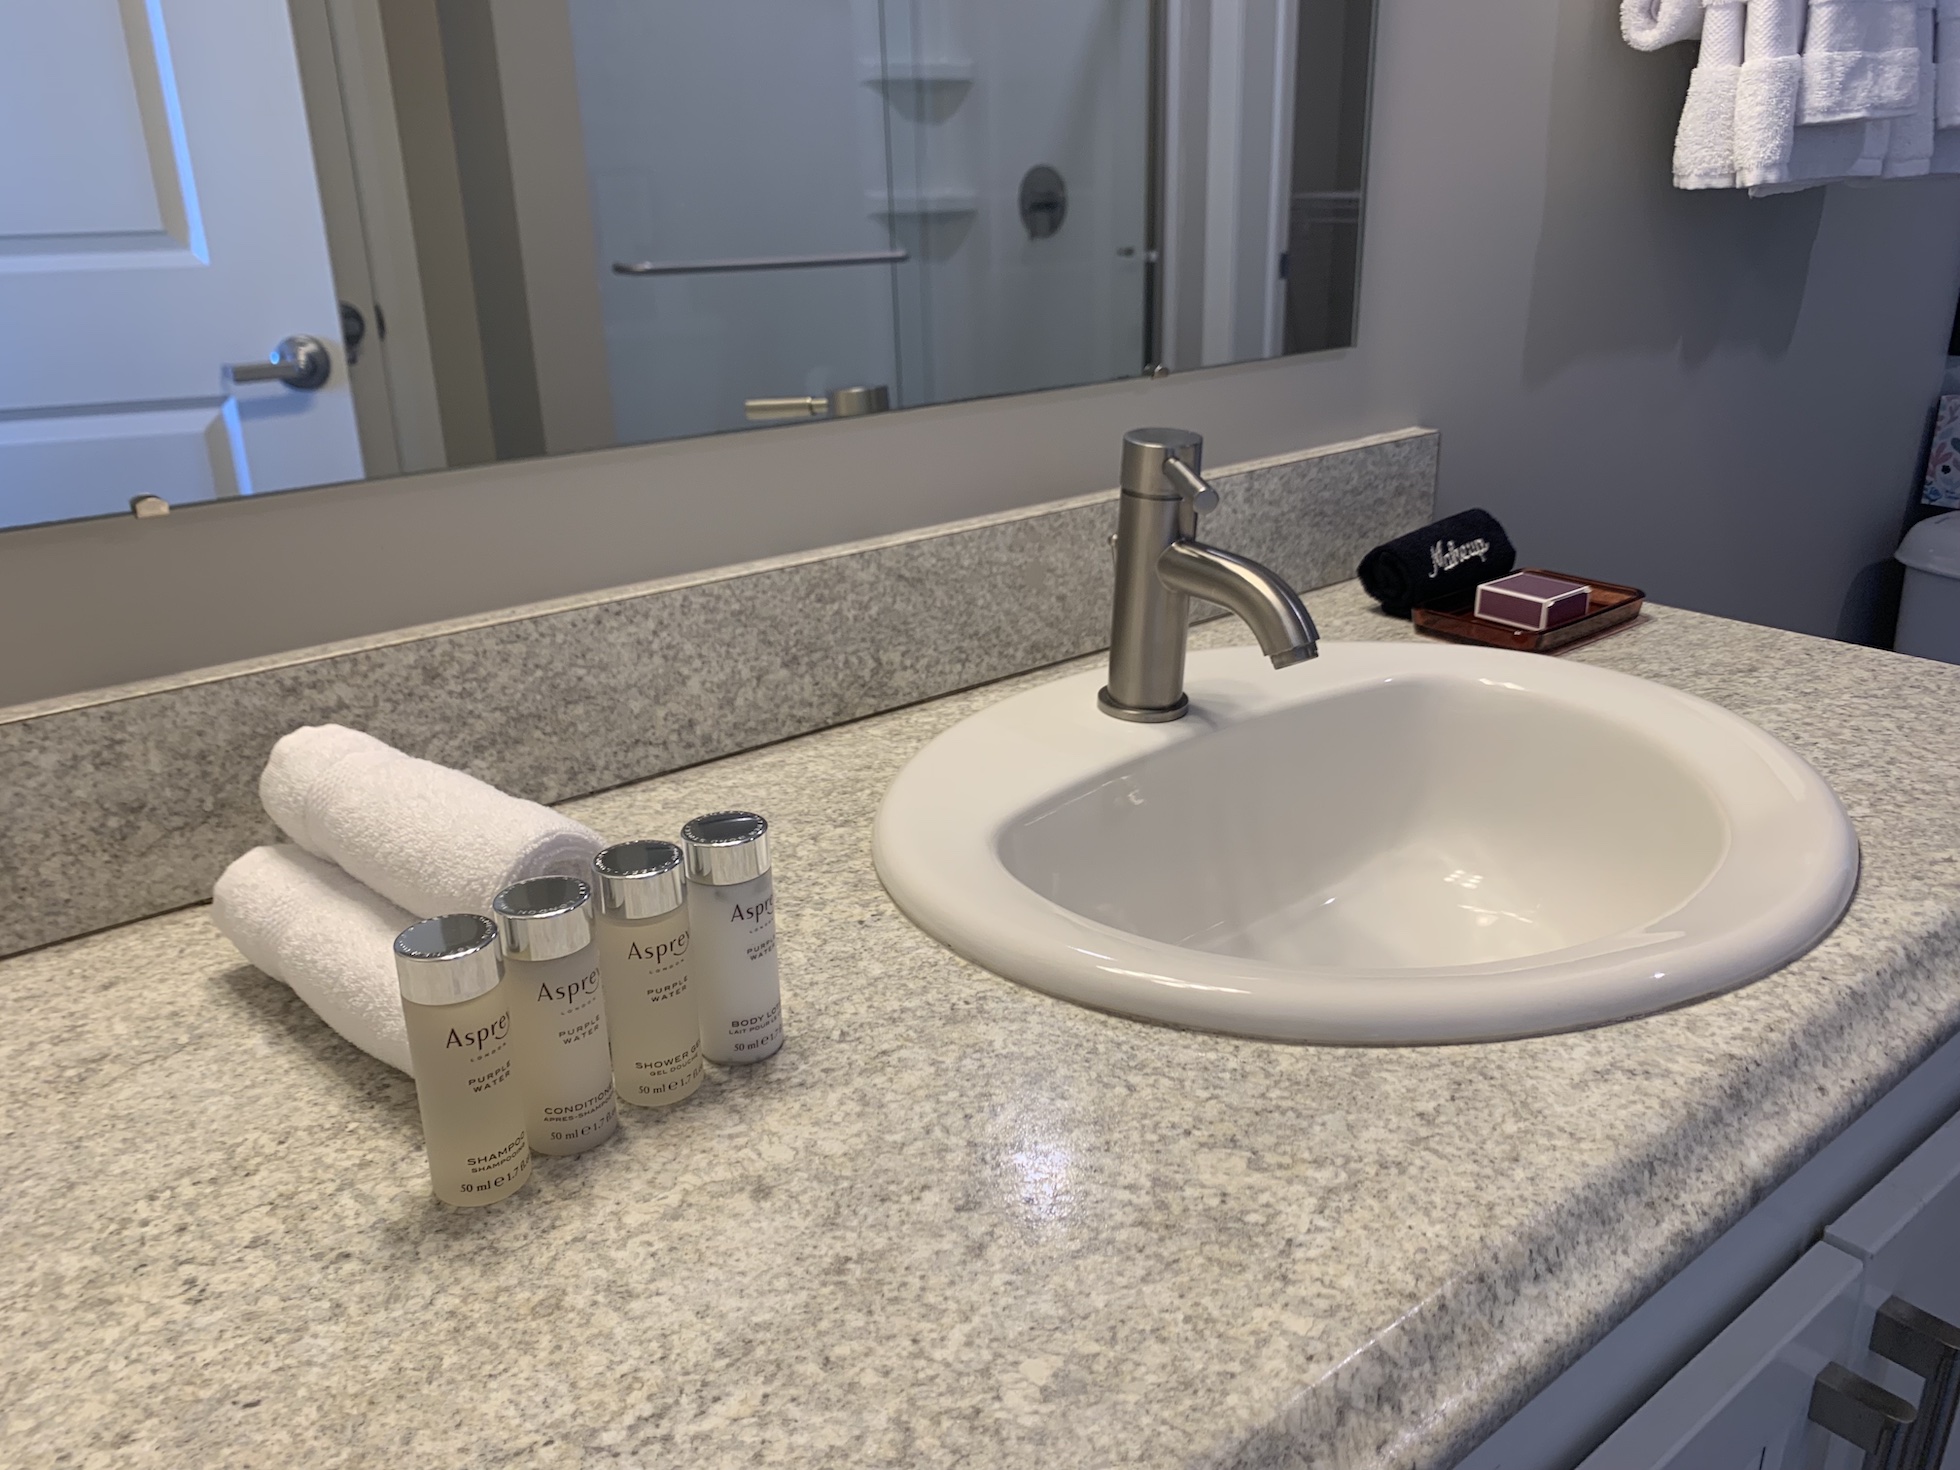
(1450, 557)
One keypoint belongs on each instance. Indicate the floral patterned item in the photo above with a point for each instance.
(1943, 464)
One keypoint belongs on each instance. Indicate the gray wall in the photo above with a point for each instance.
(1721, 399)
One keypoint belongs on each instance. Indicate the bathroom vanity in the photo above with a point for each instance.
(957, 1221)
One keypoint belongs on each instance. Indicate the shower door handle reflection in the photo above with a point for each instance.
(841, 403)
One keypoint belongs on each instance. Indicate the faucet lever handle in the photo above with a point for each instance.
(1191, 485)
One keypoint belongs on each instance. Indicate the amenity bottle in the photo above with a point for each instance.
(565, 1061)
(457, 1004)
(731, 917)
(643, 965)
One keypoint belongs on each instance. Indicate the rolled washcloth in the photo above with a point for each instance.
(306, 923)
(1446, 559)
(427, 838)
(1649, 25)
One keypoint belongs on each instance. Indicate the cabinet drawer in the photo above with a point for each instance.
(1906, 1232)
(1742, 1402)
(1907, 1229)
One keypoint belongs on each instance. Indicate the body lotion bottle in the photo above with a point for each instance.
(456, 1004)
(562, 1045)
(731, 914)
(643, 964)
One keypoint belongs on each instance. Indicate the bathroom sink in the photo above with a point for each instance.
(1393, 843)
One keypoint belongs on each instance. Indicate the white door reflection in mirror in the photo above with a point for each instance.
(159, 219)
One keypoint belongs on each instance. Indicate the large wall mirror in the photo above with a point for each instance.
(248, 247)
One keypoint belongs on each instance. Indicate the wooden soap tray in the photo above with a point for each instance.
(1613, 606)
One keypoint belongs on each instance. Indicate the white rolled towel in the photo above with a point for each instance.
(306, 923)
(427, 838)
(1649, 25)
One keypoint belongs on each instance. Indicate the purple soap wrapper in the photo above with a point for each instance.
(1533, 602)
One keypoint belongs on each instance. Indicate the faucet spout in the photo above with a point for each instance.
(1273, 610)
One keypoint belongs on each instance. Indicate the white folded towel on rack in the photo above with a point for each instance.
(1898, 145)
(306, 923)
(1704, 144)
(1946, 88)
(1861, 60)
(1909, 140)
(429, 839)
(1787, 94)
(1768, 90)
(1946, 64)
(1772, 151)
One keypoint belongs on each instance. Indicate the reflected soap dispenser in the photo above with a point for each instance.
(564, 1058)
(457, 1003)
(731, 914)
(643, 964)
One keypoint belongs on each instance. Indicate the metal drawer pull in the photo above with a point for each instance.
(1857, 1409)
(1927, 1345)
(756, 263)
(299, 362)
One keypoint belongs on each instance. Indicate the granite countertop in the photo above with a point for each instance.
(954, 1222)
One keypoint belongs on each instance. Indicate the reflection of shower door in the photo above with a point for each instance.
(733, 131)
(768, 128)
(979, 92)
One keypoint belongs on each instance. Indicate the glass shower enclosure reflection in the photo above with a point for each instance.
(945, 198)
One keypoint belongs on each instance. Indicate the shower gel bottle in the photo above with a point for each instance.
(643, 963)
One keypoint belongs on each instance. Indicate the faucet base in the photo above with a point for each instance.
(1143, 715)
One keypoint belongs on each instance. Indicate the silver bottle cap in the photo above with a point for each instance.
(639, 880)
(726, 847)
(544, 918)
(446, 961)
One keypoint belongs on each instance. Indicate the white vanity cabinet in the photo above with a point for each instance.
(1848, 1271)
(1746, 1400)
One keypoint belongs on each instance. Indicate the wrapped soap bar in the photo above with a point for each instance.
(1532, 601)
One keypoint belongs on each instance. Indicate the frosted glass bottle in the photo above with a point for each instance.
(643, 964)
(456, 1003)
(560, 1007)
(731, 917)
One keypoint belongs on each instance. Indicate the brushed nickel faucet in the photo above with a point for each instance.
(1161, 566)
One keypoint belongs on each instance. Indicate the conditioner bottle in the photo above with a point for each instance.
(563, 1055)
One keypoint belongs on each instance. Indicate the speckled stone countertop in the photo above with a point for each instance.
(954, 1223)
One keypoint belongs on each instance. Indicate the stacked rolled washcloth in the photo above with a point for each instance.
(381, 839)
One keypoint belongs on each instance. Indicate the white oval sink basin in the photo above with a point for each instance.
(1394, 843)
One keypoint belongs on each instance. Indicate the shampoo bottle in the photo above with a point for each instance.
(457, 1006)
(643, 964)
(563, 1054)
(731, 916)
